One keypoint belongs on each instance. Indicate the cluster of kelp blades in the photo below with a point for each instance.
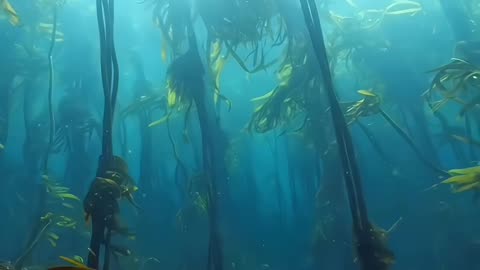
(456, 81)
(287, 101)
(457, 84)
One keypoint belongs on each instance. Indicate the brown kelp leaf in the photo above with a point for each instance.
(8, 8)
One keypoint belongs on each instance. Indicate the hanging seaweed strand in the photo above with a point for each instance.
(41, 225)
(51, 134)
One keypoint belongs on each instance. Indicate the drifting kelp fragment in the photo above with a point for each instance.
(14, 19)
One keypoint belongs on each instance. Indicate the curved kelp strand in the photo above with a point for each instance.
(376, 146)
(42, 228)
(109, 69)
(370, 245)
(51, 135)
(41, 225)
(412, 145)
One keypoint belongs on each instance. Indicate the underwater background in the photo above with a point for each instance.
(239, 134)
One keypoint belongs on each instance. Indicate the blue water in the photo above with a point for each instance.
(280, 198)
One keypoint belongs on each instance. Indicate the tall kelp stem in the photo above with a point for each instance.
(51, 134)
(101, 202)
(372, 253)
(215, 254)
(110, 72)
(40, 225)
(188, 71)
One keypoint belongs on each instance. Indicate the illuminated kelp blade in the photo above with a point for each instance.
(467, 179)
(368, 106)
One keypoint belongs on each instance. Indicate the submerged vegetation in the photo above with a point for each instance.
(240, 139)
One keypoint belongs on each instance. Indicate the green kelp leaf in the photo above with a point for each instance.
(53, 236)
(470, 170)
(52, 242)
(368, 93)
(68, 196)
(67, 205)
(78, 259)
(468, 187)
(461, 179)
(159, 122)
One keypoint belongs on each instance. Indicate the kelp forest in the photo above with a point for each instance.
(240, 134)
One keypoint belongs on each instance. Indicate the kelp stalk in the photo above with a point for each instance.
(371, 138)
(189, 69)
(40, 226)
(99, 203)
(372, 253)
(51, 135)
(43, 226)
(412, 145)
(110, 72)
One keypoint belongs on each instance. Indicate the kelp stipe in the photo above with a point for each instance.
(113, 181)
(371, 248)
